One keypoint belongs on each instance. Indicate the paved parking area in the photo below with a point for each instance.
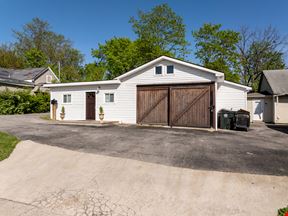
(262, 150)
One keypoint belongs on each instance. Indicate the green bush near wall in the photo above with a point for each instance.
(283, 211)
(22, 101)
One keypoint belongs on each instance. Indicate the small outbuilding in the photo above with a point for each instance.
(270, 104)
(165, 91)
(29, 78)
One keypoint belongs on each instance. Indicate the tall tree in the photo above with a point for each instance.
(161, 28)
(217, 49)
(37, 35)
(9, 58)
(258, 51)
(117, 55)
(35, 58)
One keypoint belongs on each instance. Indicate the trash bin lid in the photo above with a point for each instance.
(242, 111)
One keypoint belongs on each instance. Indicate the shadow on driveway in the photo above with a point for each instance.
(278, 127)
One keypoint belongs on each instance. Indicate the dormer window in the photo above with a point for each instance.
(158, 70)
(170, 69)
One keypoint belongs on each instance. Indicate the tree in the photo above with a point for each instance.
(146, 51)
(217, 49)
(35, 58)
(258, 51)
(37, 35)
(161, 28)
(9, 58)
(93, 72)
(69, 74)
(117, 55)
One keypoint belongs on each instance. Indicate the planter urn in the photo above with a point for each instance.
(62, 116)
(101, 117)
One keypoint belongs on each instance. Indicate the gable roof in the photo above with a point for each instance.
(277, 80)
(22, 74)
(161, 58)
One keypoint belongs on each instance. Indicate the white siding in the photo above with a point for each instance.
(181, 74)
(230, 97)
(281, 108)
(76, 110)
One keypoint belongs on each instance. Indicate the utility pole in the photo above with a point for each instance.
(59, 71)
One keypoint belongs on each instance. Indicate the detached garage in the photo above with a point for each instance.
(165, 91)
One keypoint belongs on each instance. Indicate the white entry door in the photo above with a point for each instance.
(258, 110)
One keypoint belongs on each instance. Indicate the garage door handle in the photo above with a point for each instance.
(211, 108)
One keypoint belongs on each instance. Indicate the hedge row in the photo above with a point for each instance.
(22, 101)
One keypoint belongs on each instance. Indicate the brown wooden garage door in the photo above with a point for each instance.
(152, 105)
(185, 105)
(190, 106)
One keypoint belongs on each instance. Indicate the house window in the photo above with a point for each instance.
(67, 98)
(158, 70)
(170, 69)
(109, 97)
(48, 78)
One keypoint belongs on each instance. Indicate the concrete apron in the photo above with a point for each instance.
(44, 180)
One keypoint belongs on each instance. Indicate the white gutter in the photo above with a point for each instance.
(238, 85)
(104, 82)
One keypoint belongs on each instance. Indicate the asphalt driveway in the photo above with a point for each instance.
(262, 150)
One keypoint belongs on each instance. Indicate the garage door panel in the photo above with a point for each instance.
(196, 116)
(152, 106)
(190, 107)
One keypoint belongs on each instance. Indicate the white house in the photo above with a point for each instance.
(164, 91)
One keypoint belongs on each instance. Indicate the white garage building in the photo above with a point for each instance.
(164, 91)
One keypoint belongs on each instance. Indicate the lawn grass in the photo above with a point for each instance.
(7, 144)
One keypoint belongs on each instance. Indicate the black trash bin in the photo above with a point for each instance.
(226, 119)
(242, 120)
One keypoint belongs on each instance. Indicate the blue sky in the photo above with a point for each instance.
(89, 22)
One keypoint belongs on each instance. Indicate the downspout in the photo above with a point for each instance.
(219, 79)
(276, 105)
(276, 101)
(216, 107)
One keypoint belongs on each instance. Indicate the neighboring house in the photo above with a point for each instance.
(165, 91)
(33, 78)
(270, 104)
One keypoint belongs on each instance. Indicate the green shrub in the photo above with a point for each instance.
(283, 211)
(101, 110)
(22, 101)
(63, 109)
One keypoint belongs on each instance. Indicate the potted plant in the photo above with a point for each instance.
(101, 114)
(62, 114)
